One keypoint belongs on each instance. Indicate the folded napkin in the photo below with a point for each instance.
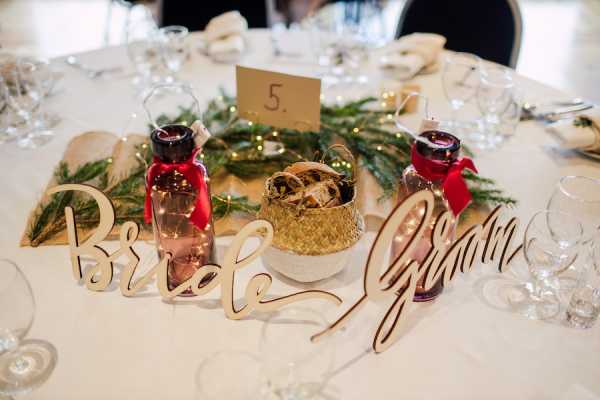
(224, 25)
(227, 49)
(576, 136)
(223, 36)
(411, 54)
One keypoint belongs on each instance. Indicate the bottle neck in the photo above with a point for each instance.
(173, 143)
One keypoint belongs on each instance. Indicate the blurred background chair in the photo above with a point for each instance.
(128, 6)
(489, 28)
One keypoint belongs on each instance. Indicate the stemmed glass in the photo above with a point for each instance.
(460, 78)
(174, 49)
(295, 367)
(578, 196)
(494, 96)
(24, 364)
(144, 51)
(551, 243)
(23, 91)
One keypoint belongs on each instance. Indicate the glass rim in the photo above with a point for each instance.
(562, 188)
(457, 54)
(178, 29)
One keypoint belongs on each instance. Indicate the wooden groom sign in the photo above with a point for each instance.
(101, 274)
(487, 242)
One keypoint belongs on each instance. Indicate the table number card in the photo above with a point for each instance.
(281, 100)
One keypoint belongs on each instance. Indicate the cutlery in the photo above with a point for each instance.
(528, 110)
(91, 73)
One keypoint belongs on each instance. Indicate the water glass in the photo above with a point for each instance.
(551, 243)
(173, 42)
(494, 96)
(24, 364)
(584, 306)
(231, 374)
(460, 78)
(144, 51)
(580, 197)
(294, 366)
(24, 91)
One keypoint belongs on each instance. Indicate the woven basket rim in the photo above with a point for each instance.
(285, 204)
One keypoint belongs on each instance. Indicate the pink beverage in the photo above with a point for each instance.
(443, 155)
(177, 181)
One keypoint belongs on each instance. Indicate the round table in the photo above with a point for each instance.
(459, 347)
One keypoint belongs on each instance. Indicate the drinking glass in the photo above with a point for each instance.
(551, 243)
(294, 366)
(580, 197)
(144, 52)
(584, 306)
(460, 78)
(47, 80)
(494, 96)
(174, 49)
(24, 93)
(231, 374)
(24, 364)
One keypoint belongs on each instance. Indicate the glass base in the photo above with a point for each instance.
(27, 367)
(35, 139)
(524, 302)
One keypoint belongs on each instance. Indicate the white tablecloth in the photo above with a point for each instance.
(460, 347)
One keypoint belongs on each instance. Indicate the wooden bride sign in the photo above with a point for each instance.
(101, 274)
(486, 242)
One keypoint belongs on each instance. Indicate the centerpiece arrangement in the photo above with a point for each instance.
(249, 152)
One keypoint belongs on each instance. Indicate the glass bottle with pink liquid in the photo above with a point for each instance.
(180, 203)
(440, 150)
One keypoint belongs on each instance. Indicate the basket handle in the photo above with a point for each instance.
(348, 154)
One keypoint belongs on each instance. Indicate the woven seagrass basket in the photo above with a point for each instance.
(312, 231)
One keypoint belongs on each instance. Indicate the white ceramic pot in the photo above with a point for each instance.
(303, 268)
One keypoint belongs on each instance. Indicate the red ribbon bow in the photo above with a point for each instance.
(202, 209)
(453, 184)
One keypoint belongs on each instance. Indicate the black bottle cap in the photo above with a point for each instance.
(447, 149)
(173, 143)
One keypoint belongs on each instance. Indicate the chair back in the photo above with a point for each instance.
(489, 28)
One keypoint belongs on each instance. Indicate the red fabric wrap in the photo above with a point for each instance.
(450, 173)
(202, 209)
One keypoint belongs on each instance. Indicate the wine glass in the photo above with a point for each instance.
(24, 364)
(551, 243)
(460, 78)
(580, 197)
(294, 366)
(174, 48)
(24, 93)
(494, 96)
(144, 52)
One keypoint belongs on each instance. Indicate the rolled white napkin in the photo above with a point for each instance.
(410, 54)
(578, 137)
(231, 23)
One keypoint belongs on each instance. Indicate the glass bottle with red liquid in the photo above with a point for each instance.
(178, 203)
(436, 166)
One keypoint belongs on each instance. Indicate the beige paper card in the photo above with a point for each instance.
(280, 100)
